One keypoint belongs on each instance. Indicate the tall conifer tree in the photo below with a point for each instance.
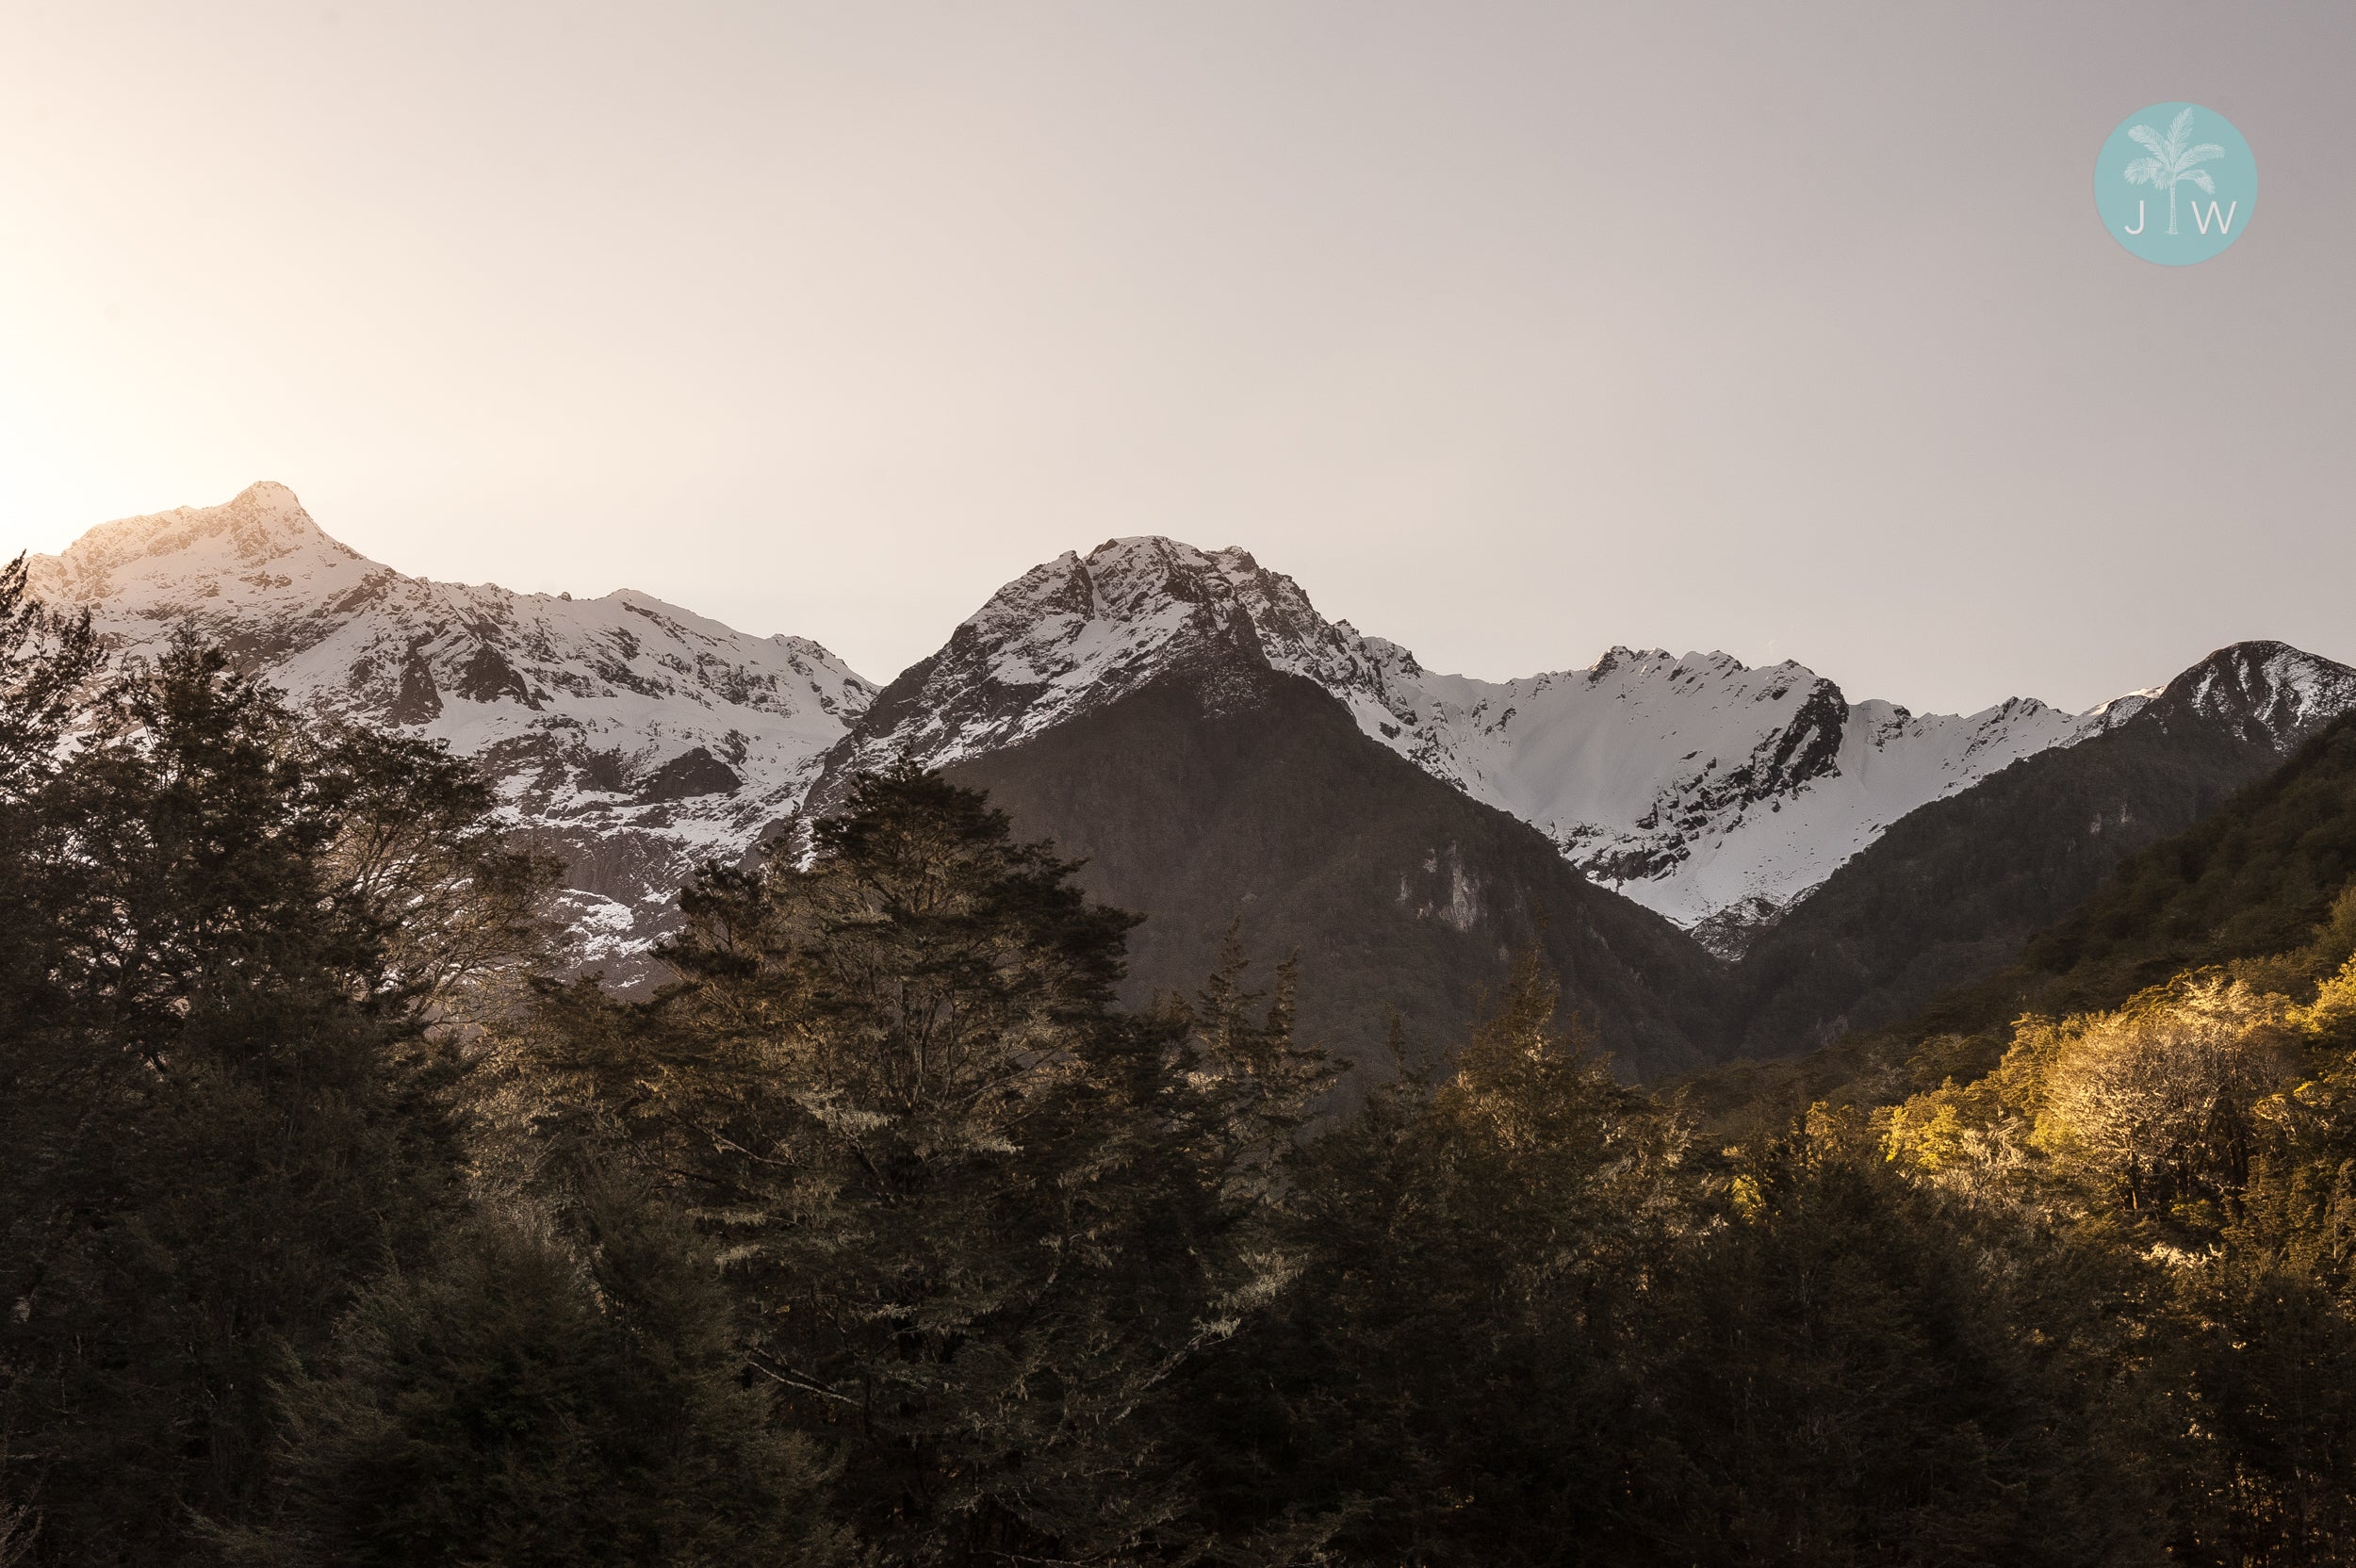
(891, 1084)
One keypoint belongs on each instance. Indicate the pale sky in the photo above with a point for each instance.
(1512, 332)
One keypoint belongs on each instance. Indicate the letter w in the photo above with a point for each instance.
(2223, 223)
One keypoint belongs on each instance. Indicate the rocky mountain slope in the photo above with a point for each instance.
(1221, 790)
(1951, 892)
(2264, 881)
(2273, 868)
(1712, 792)
(631, 737)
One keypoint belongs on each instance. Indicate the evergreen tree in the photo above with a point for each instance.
(1252, 1086)
(2258, 1368)
(552, 1390)
(1853, 1368)
(890, 1084)
(1452, 1377)
(218, 1113)
(46, 668)
(46, 662)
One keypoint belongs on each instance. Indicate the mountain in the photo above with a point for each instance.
(1219, 790)
(2273, 871)
(628, 735)
(2264, 881)
(1952, 892)
(1712, 792)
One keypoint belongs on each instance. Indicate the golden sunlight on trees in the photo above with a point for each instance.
(2156, 1101)
(2331, 1017)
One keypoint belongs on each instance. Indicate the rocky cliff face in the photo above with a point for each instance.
(628, 735)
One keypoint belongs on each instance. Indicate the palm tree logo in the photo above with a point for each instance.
(2172, 161)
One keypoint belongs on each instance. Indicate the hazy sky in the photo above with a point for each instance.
(1510, 332)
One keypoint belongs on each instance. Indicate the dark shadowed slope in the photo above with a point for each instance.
(2258, 878)
(2267, 881)
(1223, 790)
(1951, 892)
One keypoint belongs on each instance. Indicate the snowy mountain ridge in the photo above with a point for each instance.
(1713, 793)
(631, 736)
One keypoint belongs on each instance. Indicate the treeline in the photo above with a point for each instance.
(333, 1231)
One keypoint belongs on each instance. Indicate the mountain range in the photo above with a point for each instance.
(1709, 791)
(629, 736)
(1717, 857)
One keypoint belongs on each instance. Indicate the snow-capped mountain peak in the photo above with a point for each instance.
(2268, 692)
(1080, 632)
(631, 735)
(155, 557)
